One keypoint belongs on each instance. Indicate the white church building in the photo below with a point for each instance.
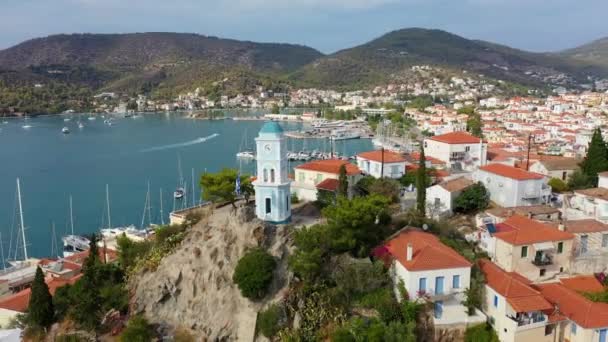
(272, 186)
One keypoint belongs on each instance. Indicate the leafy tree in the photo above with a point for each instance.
(129, 251)
(421, 183)
(40, 310)
(480, 333)
(275, 109)
(342, 182)
(475, 125)
(312, 245)
(221, 186)
(253, 273)
(269, 321)
(386, 187)
(469, 110)
(579, 180)
(473, 198)
(558, 185)
(596, 160)
(137, 330)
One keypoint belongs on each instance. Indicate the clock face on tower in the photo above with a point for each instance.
(267, 147)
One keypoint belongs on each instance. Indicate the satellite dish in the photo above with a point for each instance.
(425, 227)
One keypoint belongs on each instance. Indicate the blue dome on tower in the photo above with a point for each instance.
(271, 127)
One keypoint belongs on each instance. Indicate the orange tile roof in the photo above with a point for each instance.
(21, 300)
(330, 166)
(456, 138)
(389, 156)
(510, 172)
(428, 252)
(600, 193)
(588, 314)
(584, 283)
(585, 226)
(457, 184)
(527, 231)
(514, 287)
(329, 184)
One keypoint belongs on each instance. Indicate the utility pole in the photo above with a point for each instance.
(530, 136)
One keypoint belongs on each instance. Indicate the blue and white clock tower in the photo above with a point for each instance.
(272, 186)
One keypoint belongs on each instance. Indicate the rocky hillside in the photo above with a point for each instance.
(594, 53)
(193, 289)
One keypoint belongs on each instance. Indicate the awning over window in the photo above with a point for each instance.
(543, 246)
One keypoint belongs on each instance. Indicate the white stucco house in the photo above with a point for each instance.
(382, 163)
(272, 185)
(440, 198)
(602, 180)
(431, 270)
(560, 168)
(516, 310)
(318, 174)
(459, 150)
(589, 203)
(513, 187)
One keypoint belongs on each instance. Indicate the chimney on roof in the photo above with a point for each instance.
(410, 252)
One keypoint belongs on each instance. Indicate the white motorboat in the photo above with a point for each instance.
(92, 118)
(73, 244)
(80, 125)
(179, 193)
(344, 134)
(65, 130)
(26, 126)
(246, 155)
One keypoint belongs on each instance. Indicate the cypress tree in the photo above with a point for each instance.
(87, 311)
(342, 182)
(421, 183)
(41, 312)
(596, 160)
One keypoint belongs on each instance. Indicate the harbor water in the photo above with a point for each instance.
(125, 155)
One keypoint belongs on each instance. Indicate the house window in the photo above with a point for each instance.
(524, 251)
(438, 312)
(422, 285)
(604, 240)
(495, 301)
(548, 329)
(467, 149)
(573, 328)
(265, 175)
(439, 285)
(560, 247)
(271, 175)
(542, 272)
(456, 282)
(287, 201)
(564, 175)
(268, 206)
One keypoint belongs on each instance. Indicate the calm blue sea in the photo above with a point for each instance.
(126, 156)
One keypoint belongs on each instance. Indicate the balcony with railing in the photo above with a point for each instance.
(542, 259)
(528, 320)
(458, 156)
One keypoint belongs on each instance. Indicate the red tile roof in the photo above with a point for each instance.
(330, 184)
(585, 226)
(21, 300)
(526, 231)
(330, 166)
(588, 314)
(585, 283)
(454, 138)
(389, 156)
(515, 288)
(510, 172)
(428, 252)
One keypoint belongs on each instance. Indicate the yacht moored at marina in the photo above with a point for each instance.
(344, 134)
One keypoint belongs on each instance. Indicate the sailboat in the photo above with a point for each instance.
(147, 210)
(72, 243)
(179, 191)
(113, 232)
(244, 152)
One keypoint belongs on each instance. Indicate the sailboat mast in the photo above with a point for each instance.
(54, 248)
(193, 197)
(149, 205)
(21, 219)
(108, 205)
(162, 220)
(2, 252)
(71, 216)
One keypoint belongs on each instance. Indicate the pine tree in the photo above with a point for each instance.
(421, 183)
(342, 182)
(596, 160)
(40, 313)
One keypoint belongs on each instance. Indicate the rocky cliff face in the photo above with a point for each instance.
(193, 289)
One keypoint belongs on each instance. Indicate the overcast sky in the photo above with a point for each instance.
(327, 25)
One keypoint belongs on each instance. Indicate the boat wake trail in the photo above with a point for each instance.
(184, 144)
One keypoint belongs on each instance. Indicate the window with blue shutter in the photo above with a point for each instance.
(456, 282)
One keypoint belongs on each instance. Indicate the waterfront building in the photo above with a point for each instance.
(272, 186)
(382, 163)
(322, 175)
(459, 150)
